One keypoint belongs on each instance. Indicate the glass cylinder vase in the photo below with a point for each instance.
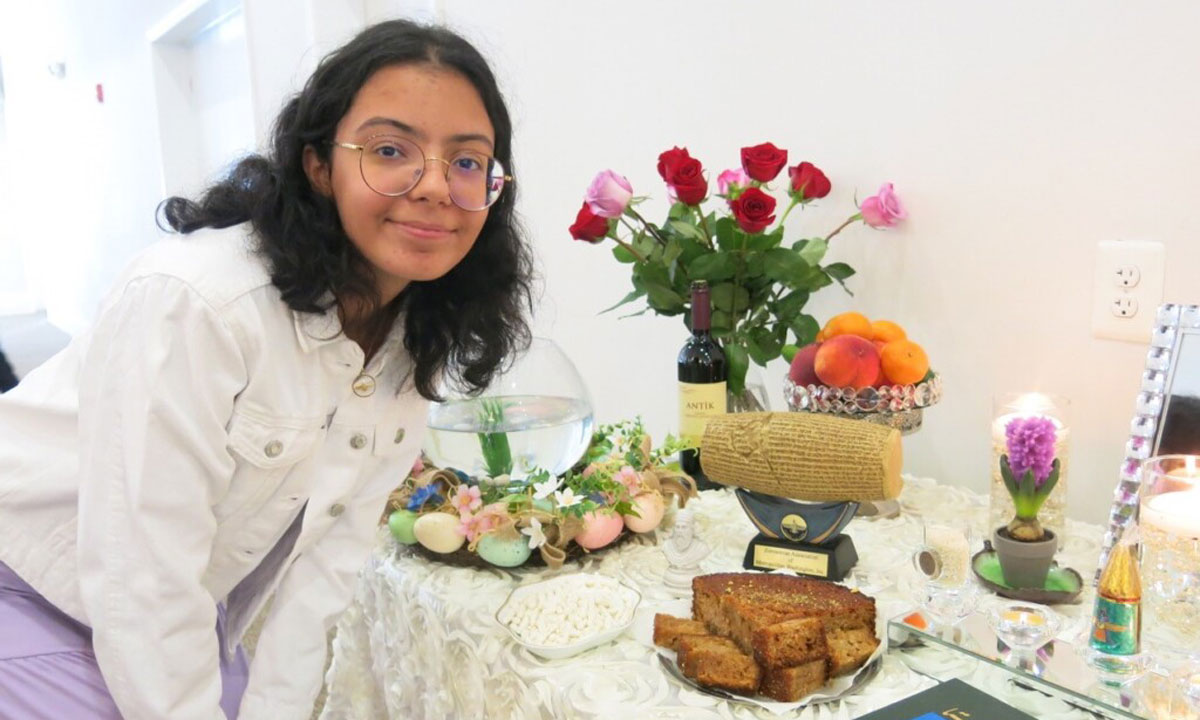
(1012, 406)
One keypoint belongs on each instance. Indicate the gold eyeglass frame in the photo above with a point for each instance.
(363, 173)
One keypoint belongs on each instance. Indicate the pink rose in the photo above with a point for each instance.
(608, 194)
(883, 210)
(732, 180)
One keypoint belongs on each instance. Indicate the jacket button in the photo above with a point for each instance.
(399, 436)
(336, 509)
(363, 385)
(358, 441)
(273, 449)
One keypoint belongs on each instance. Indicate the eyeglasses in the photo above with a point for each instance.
(392, 166)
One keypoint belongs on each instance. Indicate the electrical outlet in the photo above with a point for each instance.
(1128, 276)
(1128, 288)
(1125, 306)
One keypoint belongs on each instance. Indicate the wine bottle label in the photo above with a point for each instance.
(697, 403)
(1117, 626)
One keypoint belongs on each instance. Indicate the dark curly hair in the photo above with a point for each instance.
(460, 326)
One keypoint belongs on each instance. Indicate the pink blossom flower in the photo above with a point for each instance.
(629, 477)
(466, 500)
(608, 194)
(417, 468)
(732, 180)
(473, 526)
(883, 210)
(590, 470)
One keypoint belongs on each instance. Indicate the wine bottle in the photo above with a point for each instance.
(702, 374)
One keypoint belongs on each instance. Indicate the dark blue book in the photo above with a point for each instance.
(951, 700)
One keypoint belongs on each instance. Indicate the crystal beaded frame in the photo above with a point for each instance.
(1169, 323)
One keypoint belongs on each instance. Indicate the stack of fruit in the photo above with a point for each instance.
(851, 351)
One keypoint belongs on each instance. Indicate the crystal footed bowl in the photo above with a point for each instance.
(898, 406)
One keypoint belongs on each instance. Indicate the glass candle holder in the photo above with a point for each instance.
(946, 591)
(1009, 407)
(1169, 518)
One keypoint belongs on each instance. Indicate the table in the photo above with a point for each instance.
(420, 639)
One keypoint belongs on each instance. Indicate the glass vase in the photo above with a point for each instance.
(1009, 407)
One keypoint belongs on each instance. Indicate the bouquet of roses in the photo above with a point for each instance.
(759, 285)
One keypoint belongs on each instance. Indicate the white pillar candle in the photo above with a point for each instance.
(1175, 513)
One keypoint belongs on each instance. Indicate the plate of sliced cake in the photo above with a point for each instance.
(775, 640)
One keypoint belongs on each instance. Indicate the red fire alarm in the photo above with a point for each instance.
(99, 92)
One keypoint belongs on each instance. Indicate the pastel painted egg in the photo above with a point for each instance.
(504, 552)
(650, 508)
(543, 504)
(401, 524)
(438, 532)
(599, 529)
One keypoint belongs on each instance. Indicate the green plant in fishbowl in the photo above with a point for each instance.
(537, 414)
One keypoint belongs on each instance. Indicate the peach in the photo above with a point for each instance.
(847, 361)
(802, 371)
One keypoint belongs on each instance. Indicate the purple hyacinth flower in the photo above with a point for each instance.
(1031, 447)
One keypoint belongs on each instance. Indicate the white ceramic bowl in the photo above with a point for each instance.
(557, 585)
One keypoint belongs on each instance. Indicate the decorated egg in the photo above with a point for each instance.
(600, 527)
(401, 524)
(438, 532)
(650, 508)
(543, 504)
(504, 552)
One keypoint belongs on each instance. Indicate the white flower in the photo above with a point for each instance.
(567, 498)
(534, 531)
(545, 489)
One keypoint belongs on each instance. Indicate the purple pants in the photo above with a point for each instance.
(48, 670)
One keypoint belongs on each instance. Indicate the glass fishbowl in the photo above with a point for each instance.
(536, 415)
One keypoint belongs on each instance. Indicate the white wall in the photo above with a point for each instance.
(1019, 135)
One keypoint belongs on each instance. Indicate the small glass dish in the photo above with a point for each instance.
(568, 591)
(1023, 626)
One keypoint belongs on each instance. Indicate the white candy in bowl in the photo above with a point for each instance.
(565, 615)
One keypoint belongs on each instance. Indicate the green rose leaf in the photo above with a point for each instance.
(688, 230)
(726, 234)
(839, 271)
(762, 345)
(805, 328)
(672, 252)
(677, 211)
(767, 241)
(814, 250)
(634, 295)
(789, 351)
(781, 264)
(713, 266)
(663, 299)
(739, 362)
(622, 255)
(790, 305)
(730, 298)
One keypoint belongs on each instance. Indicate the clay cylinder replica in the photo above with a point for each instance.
(804, 456)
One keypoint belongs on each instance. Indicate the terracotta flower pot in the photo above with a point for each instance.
(1024, 564)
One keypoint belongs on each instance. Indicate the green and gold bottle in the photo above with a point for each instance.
(1117, 620)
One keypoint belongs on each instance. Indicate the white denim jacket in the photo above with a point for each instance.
(149, 467)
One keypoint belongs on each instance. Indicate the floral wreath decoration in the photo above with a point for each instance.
(622, 483)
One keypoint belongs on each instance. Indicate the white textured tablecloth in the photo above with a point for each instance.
(420, 639)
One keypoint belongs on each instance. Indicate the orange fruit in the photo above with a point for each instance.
(820, 336)
(904, 362)
(887, 331)
(849, 323)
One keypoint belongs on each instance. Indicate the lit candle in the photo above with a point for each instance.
(1176, 513)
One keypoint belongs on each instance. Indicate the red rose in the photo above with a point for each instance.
(688, 182)
(589, 226)
(808, 182)
(753, 210)
(763, 162)
(684, 175)
(668, 161)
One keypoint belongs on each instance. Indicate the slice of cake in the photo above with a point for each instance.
(790, 643)
(717, 662)
(849, 649)
(789, 684)
(668, 629)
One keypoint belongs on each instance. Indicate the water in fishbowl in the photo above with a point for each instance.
(541, 431)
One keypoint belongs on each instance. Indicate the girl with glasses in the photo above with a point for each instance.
(251, 392)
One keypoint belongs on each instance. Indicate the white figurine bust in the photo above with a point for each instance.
(684, 552)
